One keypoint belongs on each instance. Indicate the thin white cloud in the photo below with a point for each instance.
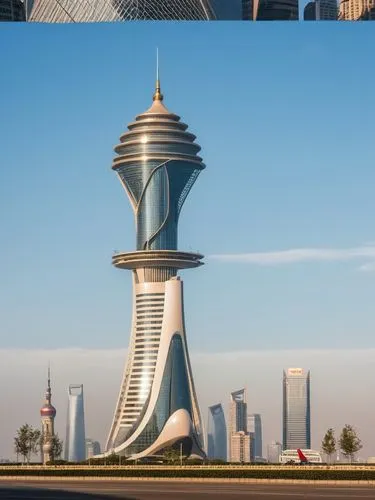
(297, 255)
(369, 267)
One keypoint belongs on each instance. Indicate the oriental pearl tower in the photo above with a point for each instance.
(48, 413)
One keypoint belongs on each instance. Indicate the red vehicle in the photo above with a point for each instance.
(303, 459)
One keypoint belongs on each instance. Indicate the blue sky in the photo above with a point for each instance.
(284, 115)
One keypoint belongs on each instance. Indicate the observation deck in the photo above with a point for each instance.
(157, 258)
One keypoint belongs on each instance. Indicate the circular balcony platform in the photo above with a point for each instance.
(157, 258)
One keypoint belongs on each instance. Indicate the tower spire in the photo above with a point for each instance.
(158, 96)
(48, 392)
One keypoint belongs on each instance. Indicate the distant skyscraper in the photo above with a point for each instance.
(296, 409)
(92, 448)
(239, 438)
(216, 433)
(227, 10)
(353, 10)
(238, 411)
(55, 11)
(240, 444)
(75, 446)
(310, 12)
(12, 10)
(157, 162)
(321, 10)
(274, 452)
(275, 10)
(255, 427)
(48, 414)
(247, 10)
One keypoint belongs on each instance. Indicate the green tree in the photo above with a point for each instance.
(349, 442)
(57, 447)
(329, 444)
(27, 441)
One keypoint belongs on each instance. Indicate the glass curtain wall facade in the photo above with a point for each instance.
(216, 433)
(75, 442)
(238, 432)
(296, 409)
(227, 10)
(275, 10)
(255, 428)
(247, 10)
(321, 10)
(157, 163)
(12, 10)
(120, 10)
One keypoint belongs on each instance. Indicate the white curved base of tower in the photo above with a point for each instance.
(179, 427)
(157, 406)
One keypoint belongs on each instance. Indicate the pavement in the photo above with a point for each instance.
(164, 490)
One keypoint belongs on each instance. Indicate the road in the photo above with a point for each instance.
(149, 490)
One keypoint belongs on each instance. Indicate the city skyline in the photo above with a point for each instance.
(344, 400)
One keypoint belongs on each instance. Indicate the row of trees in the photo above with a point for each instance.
(29, 441)
(348, 443)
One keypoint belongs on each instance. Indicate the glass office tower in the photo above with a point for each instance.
(227, 10)
(55, 11)
(255, 427)
(275, 10)
(157, 163)
(216, 433)
(12, 10)
(239, 437)
(321, 10)
(296, 409)
(75, 442)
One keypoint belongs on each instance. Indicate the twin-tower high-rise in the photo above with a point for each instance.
(157, 163)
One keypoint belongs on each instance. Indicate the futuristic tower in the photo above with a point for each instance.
(157, 164)
(48, 414)
(57, 11)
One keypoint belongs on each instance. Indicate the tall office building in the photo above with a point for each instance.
(48, 414)
(296, 409)
(238, 411)
(92, 448)
(59, 11)
(12, 10)
(273, 452)
(254, 427)
(157, 163)
(227, 10)
(239, 438)
(321, 10)
(75, 445)
(240, 446)
(216, 433)
(274, 10)
(247, 10)
(353, 10)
